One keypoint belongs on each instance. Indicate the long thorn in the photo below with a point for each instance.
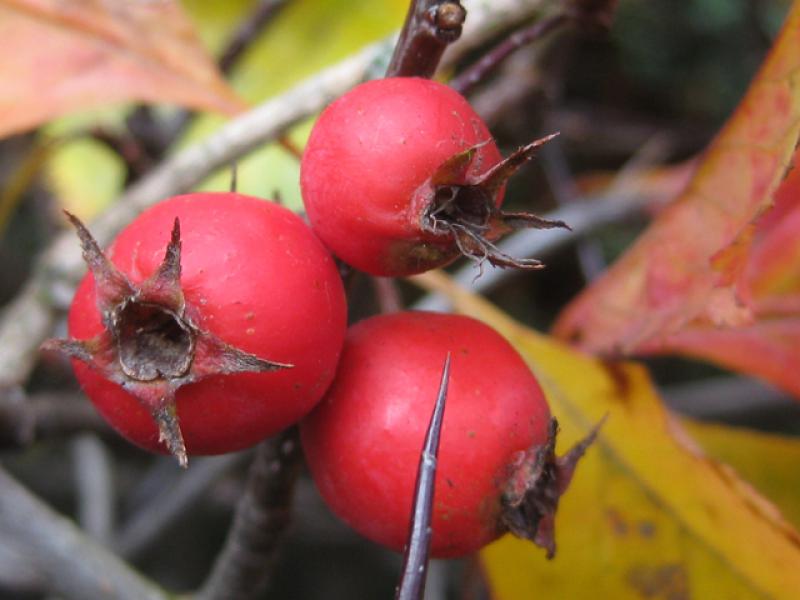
(415, 559)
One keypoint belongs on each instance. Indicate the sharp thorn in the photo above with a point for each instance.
(415, 558)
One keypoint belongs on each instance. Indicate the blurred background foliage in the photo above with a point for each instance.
(667, 74)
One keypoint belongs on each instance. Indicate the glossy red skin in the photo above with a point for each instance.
(256, 276)
(368, 153)
(363, 441)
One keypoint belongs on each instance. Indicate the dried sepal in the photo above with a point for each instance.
(112, 286)
(538, 479)
(164, 286)
(464, 207)
(523, 220)
(215, 357)
(169, 431)
(455, 168)
(496, 177)
(83, 350)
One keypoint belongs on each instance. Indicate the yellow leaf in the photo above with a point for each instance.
(86, 176)
(647, 514)
(768, 461)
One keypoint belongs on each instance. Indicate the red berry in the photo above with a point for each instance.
(245, 288)
(363, 441)
(400, 175)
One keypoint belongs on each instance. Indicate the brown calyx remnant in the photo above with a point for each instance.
(463, 207)
(150, 346)
(539, 478)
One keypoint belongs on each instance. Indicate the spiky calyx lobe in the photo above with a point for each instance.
(537, 479)
(400, 175)
(251, 274)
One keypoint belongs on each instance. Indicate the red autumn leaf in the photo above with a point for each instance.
(769, 346)
(62, 56)
(773, 267)
(716, 266)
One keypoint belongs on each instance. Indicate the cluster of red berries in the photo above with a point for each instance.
(234, 328)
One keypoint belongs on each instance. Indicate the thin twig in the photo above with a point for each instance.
(429, 27)
(94, 484)
(69, 562)
(153, 520)
(468, 78)
(562, 183)
(29, 318)
(587, 13)
(519, 80)
(415, 558)
(247, 32)
(17, 571)
(244, 566)
(726, 397)
(137, 157)
(24, 419)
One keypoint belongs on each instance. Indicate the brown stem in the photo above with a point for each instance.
(429, 27)
(243, 567)
(293, 149)
(477, 72)
(387, 294)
